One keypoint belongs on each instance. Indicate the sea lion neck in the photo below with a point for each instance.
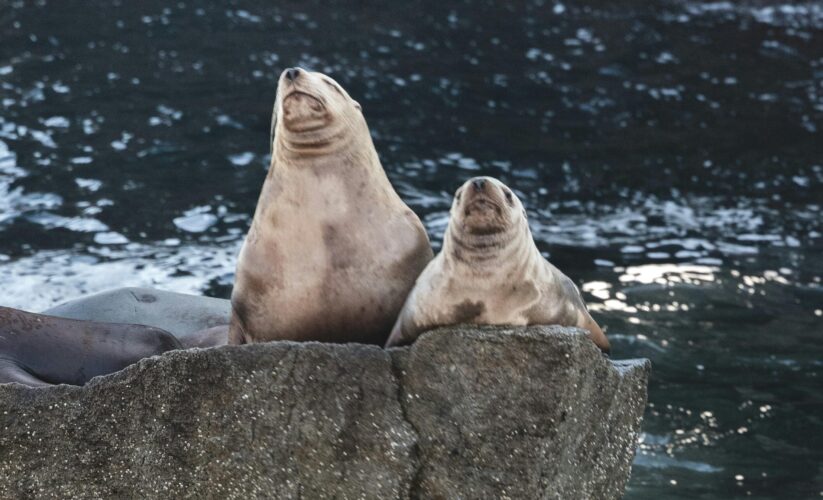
(510, 252)
(311, 147)
(346, 159)
(464, 248)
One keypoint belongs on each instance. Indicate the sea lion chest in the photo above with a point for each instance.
(326, 254)
(454, 297)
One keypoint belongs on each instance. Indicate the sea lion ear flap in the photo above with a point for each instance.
(357, 105)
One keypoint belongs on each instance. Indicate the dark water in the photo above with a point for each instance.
(670, 154)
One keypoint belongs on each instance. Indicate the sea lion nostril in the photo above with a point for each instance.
(292, 73)
(479, 184)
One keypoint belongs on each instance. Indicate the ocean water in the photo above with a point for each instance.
(669, 153)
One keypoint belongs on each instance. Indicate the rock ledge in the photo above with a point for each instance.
(465, 412)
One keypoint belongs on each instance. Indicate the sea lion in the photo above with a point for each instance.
(196, 321)
(39, 350)
(490, 272)
(332, 251)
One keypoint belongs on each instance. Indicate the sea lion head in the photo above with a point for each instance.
(485, 206)
(313, 113)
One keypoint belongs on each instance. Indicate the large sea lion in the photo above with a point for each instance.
(195, 320)
(332, 251)
(490, 272)
(39, 350)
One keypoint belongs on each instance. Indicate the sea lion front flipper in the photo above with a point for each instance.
(401, 334)
(236, 332)
(584, 318)
(11, 372)
(595, 332)
(395, 336)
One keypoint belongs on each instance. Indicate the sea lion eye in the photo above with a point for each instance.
(509, 196)
(457, 194)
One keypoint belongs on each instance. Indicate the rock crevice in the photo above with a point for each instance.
(414, 452)
(463, 413)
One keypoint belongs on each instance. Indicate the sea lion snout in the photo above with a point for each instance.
(480, 197)
(303, 112)
(291, 74)
(482, 204)
(485, 206)
(313, 106)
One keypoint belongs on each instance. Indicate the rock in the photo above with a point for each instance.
(521, 413)
(463, 413)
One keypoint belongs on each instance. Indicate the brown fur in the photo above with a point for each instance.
(491, 272)
(333, 251)
(468, 311)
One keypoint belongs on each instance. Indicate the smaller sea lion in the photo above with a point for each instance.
(490, 272)
(39, 350)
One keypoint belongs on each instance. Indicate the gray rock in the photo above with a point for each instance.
(521, 413)
(463, 413)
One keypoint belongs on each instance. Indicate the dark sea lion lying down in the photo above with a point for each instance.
(39, 350)
(103, 333)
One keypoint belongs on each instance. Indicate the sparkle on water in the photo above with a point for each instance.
(669, 154)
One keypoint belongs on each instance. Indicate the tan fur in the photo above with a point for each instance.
(332, 251)
(491, 272)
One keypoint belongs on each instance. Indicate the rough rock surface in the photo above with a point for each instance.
(463, 413)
